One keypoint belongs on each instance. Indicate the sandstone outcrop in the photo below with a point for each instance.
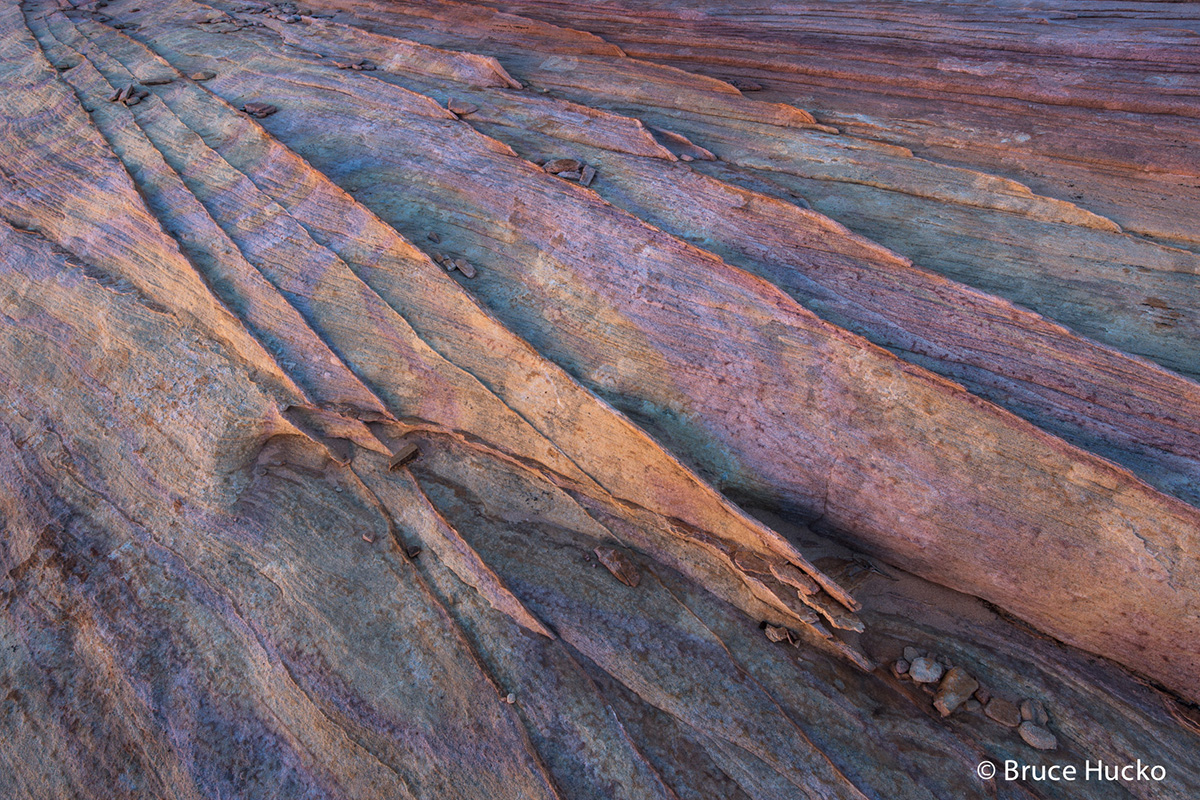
(425, 399)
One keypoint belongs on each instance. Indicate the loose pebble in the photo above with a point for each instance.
(983, 695)
(1004, 712)
(925, 670)
(1037, 736)
(686, 157)
(562, 165)
(956, 688)
(433, 237)
(203, 75)
(972, 705)
(158, 81)
(571, 175)
(900, 667)
(259, 110)
(587, 175)
(1034, 711)
(464, 267)
(911, 654)
(412, 552)
(510, 698)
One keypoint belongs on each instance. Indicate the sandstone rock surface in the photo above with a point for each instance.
(439, 400)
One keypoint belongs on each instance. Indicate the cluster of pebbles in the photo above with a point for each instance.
(450, 263)
(131, 95)
(571, 169)
(953, 688)
(355, 64)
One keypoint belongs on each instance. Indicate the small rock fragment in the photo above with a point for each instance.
(972, 705)
(158, 81)
(1037, 736)
(259, 110)
(464, 267)
(1033, 711)
(925, 670)
(620, 565)
(776, 634)
(561, 165)
(911, 654)
(433, 237)
(686, 157)
(745, 85)
(983, 695)
(412, 552)
(1004, 712)
(461, 107)
(588, 175)
(404, 455)
(510, 698)
(900, 668)
(132, 101)
(572, 175)
(368, 539)
(956, 688)
(203, 75)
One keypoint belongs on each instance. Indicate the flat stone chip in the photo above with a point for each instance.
(157, 81)
(588, 175)
(403, 456)
(259, 110)
(619, 564)
(561, 165)
(461, 108)
(776, 634)
(203, 75)
(571, 175)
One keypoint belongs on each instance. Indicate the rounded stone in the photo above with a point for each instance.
(925, 670)
(1003, 711)
(1037, 736)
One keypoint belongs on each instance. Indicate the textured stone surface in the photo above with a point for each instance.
(347, 452)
